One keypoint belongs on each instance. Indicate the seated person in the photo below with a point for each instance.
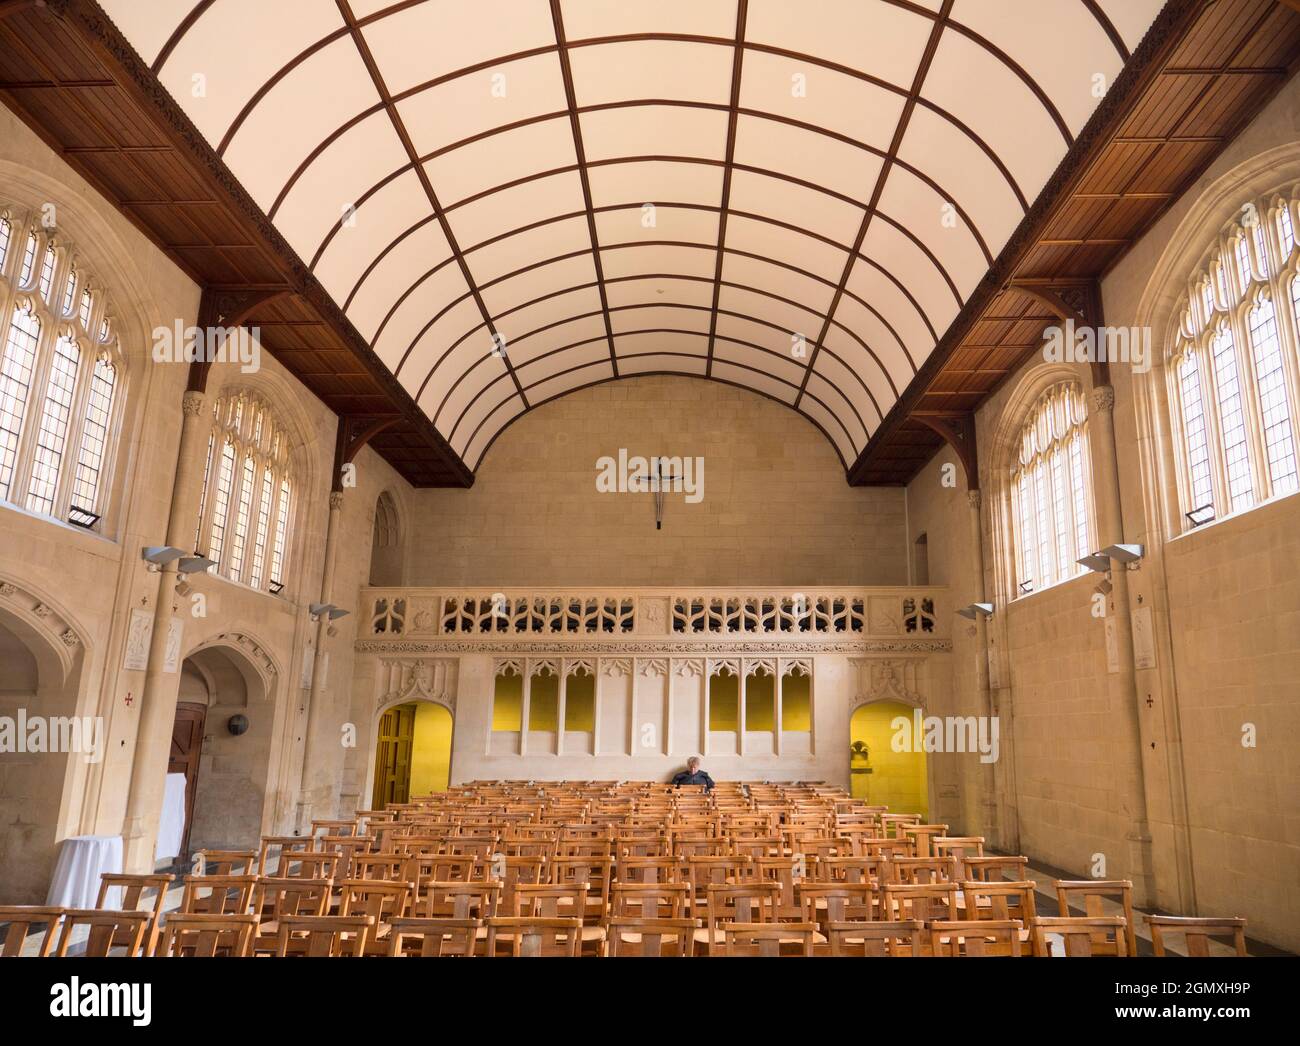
(693, 775)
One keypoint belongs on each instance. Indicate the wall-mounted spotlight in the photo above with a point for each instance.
(158, 556)
(327, 610)
(1102, 561)
(976, 610)
(195, 564)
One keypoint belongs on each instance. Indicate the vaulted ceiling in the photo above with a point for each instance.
(512, 199)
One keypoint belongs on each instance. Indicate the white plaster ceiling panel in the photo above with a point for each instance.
(638, 224)
(593, 18)
(574, 155)
(233, 48)
(509, 254)
(374, 225)
(379, 290)
(416, 308)
(450, 111)
(654, 130)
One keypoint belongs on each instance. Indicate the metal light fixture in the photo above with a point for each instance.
(195, 564)
(976, 610)
(158, 556)
(327, 610)
(1102, 561)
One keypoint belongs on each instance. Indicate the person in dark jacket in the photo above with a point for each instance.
(693, 775)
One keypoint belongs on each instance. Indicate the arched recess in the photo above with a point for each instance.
(413, 750)
(47, 749)
(387, 551)
(425, 688)
(228, 792)
(877, 772)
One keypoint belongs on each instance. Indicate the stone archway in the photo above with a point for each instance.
(45, 745)
(230, 799)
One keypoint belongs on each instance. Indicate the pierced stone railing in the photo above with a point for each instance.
(824, 613)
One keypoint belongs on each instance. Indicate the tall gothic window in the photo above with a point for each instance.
(247, 501)
(60, 368)
(1050, 484)
(1233, 376)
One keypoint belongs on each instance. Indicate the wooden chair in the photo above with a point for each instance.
(279, 843)
(307, 864)
(275, 899)
(321, 936)
(434, 938)
(207, 935)
(225, 894)
(957, 847)
(999, 902)
(532, 936)
(825, 903)
(1196, 933)
(921, 870)
(1090, 895)
(21, 919)
(107, 929)
(748, 902)
(380, 899)
(478, 900)
(981, 937)
(1079, 935)
(133, 889)
(633, 936)
(768, 940)
(904, 938)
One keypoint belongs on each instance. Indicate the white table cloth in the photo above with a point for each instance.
(171, 824)
(82, 859)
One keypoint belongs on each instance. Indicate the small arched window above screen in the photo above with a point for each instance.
(60, 375)
(1232, 366)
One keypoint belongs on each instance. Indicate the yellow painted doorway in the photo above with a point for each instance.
(877, 773)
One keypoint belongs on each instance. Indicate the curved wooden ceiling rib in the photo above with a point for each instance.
(738, 46)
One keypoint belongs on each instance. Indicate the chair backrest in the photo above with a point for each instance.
(277, 898)
(958, 847)
(307, 864)
(24, 919)
(633, 936)
(836, 902)
(321, 936)
(1091, 895)
(381, 899)
(132, 899)
(107, 930)
(905, 938)
(217, 894)
(204, 936)
(596, 872)
(981, 937)
(650, 900)
(765, 939)
(647, 870)
(1196, 933)
(925, 901)
(994, 869)
(750, 902)
(999, 901)
(844, 869)
(1079, 935)
(921, 870)
(533, 937)
(478, 900)
(279, 843)
(550, 900)
(433, 938)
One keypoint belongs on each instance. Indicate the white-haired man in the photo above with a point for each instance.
(693, 775)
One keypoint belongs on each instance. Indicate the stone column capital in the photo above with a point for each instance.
(192, 404)
(1102, 398)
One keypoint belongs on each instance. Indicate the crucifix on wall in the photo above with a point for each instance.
(657, 482)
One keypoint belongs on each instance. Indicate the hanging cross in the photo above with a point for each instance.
(657, 482)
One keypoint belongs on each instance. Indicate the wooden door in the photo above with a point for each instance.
(186, 750)
(396, 735)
